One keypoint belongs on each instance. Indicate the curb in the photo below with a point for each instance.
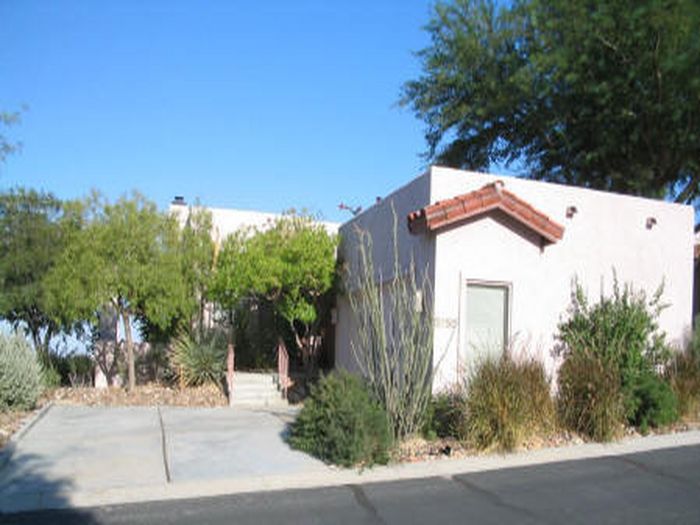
(8, 450)
(333, 477)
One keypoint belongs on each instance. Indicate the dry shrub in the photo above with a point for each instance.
(590, 399)
(684, 376)
(507, 402)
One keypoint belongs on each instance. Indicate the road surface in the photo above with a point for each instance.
(662, 486)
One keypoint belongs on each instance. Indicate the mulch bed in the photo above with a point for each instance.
(419, 449)
(11, 422)
(146, 395)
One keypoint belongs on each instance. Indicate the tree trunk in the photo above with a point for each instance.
(129, 352)
(41, 346)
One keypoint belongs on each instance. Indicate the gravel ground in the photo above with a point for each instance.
(419, 449)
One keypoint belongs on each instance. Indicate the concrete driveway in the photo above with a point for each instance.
(93, 450)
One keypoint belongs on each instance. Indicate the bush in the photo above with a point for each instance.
(72, 369)
(20, 374)
(619, 334)
(655, 403)
(683, 374)
(50, 377)
(621, 330)
(341, 423)
(200, 362)
(444, 417)
(590, 400)
(507, 402)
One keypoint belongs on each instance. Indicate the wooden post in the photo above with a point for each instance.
(230, 358)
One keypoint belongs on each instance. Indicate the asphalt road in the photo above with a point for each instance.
(651, 487)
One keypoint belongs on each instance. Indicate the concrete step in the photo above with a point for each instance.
(260, 401)
(256, 390)
(254, 379)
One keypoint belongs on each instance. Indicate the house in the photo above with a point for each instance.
(226, 221)
(502, 253)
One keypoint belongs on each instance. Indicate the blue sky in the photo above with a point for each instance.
(244, 104)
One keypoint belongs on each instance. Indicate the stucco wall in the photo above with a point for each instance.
(607, 232)
(378, 221)
(226, 221)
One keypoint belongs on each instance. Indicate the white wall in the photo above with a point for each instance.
(608, 231)
(226, 221)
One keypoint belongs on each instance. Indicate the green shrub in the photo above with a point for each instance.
(654, 402)
(73, 369)
(200, 362)
(20, 373)
(622, 336)
(507, 402)
(50, 377)
(444, 417)
(590, 400)
(622, 330)
(683, 374)
(341, 423)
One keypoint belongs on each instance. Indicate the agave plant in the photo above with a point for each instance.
(198, 362)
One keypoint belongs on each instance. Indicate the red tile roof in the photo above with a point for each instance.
(490, 197)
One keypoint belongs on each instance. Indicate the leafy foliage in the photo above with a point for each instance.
(31, 242)
(197, 251)
(198, 362)
(126, 256)
(20, 373)
(445, 415)
(622, 330)
(611, 349)
(597, 94)
(342, 424)
(291, 264)
(73, 369)
(590, 399)
(7, 147)
(507, 402)
(654, 402)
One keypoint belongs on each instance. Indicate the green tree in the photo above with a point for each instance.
(127, 256)
(291, 264)
(197, 261)
(599, 94)
(7, 147)
(232, 279)
(32, 240)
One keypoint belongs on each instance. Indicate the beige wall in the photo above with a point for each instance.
(378, 221)
(608, 231)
